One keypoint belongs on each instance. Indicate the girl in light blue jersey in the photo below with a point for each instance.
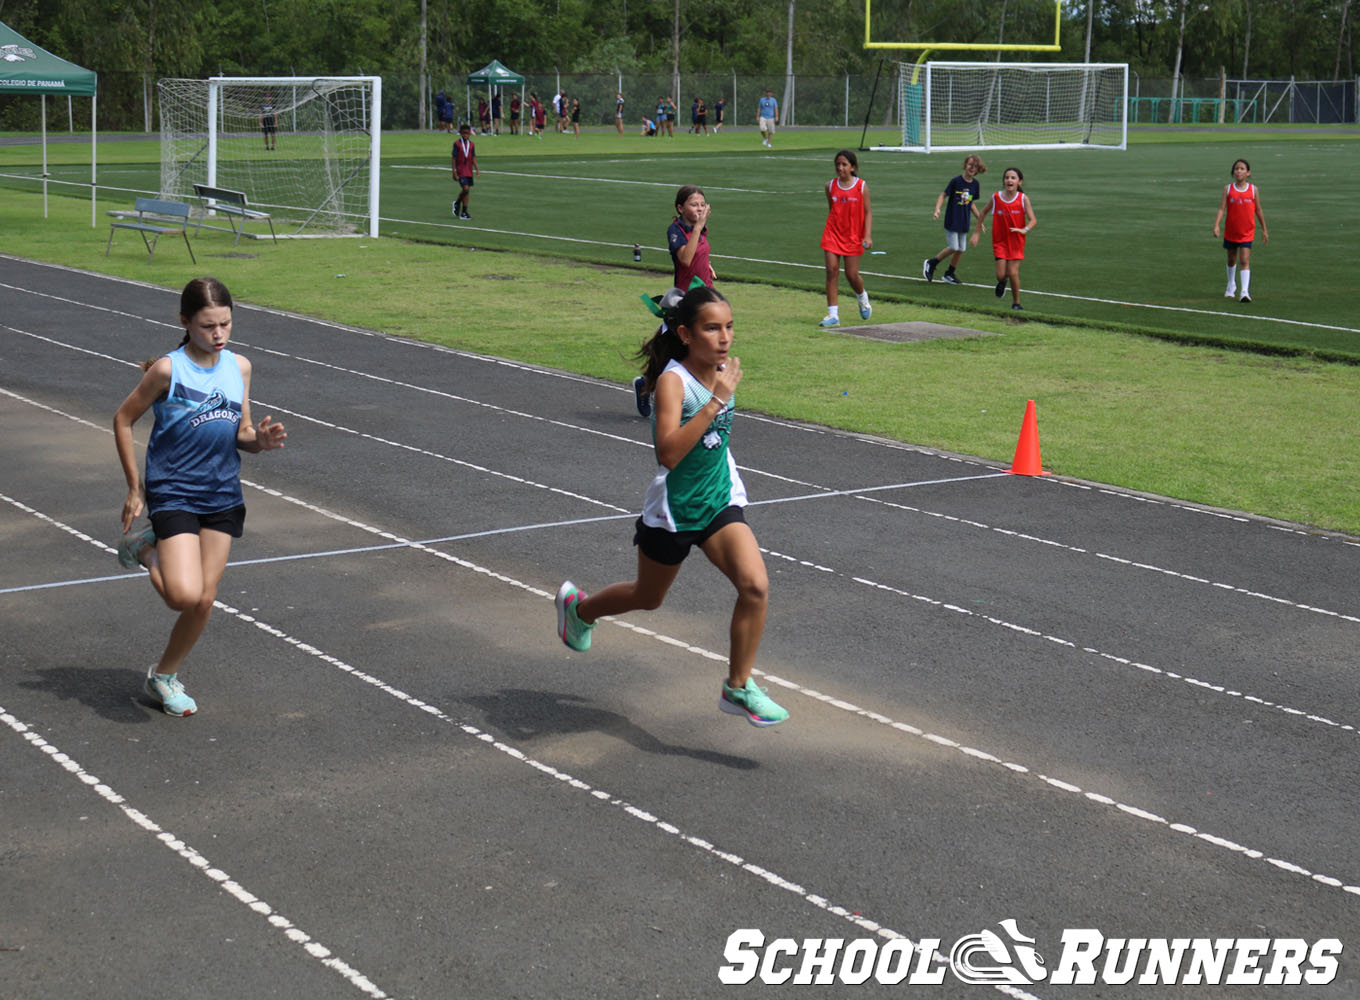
(200, 397)
(695, 498)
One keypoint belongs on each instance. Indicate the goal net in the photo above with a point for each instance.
(994, 105)
(304, 149)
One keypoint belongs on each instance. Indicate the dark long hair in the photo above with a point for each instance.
(200, 293)
(665, 344)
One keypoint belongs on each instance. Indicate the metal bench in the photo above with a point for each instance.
(233, 205)
(153, 219)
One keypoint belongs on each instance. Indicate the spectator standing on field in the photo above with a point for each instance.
(464, 168)
(767, 113)
(444, 112)
(514, 114)
(961, 198)
(1241, 204)
(718, 107)
(496, 112)
(618, 112)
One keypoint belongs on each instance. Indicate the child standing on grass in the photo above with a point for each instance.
(464, 166)
(961, 194)
(696, 498)
(1242, 204)
(1014, 218)
(200, 395)
(848, 233)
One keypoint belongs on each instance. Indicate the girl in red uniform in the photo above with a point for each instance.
(848, 233)
(1242, 205)
(1014, 219)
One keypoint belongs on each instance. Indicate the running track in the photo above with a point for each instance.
(1011, 697)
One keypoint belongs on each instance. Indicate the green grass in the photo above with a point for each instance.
(1262, 433)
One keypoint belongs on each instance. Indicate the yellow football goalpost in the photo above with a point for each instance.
(950, 106)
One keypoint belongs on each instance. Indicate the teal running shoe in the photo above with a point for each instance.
(829, 321)
(167, 690)
(752, 701)
(133, 545)
(570, 629)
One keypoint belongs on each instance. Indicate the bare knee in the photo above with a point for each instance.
(188, 599)
(753, 589)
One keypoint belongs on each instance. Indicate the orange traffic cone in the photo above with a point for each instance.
(1026, 461)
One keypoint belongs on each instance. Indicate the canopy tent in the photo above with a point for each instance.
(490, 76)
(26, 68)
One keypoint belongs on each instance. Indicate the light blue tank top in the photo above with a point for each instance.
(191, 459)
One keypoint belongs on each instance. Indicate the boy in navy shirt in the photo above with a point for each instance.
(961, 195)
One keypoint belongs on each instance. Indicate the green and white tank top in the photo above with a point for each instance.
(703, 483)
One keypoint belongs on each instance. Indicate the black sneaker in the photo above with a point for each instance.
(641, 397)
(1017, 305)
(1245, 298)
(928, 268)
(1001, 288)
(466, 216)
(950, 278)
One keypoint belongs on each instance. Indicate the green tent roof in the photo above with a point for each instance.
(495, 74)
(26, 68)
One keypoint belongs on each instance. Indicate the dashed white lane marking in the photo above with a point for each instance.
(225, 882)
(850, 708)
(625, 807)
(1198, 683)
(553, 373)
(1131, 563)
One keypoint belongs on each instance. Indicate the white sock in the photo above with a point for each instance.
(864, 298)
(1244, 281)
(834, 312)
(1232, 281)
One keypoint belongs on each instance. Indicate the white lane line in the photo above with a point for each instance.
(850, 708)
(315, 949)
(1119, 560)
(1197, 683)
(626, 808)
(551, 373)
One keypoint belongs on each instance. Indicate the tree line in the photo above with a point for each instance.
(131, 43)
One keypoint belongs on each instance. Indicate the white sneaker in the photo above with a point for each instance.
(1231, 293)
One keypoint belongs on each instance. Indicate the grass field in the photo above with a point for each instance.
(1270, 434)
(1124, 237)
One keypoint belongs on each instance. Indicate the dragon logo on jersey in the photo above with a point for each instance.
(215, 407)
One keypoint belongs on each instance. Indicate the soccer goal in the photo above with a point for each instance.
(955, 106)
(306, 149)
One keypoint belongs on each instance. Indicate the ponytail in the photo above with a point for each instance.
(665, 345)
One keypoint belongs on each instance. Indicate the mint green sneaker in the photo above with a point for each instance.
(167, 690)
(752, 701)
(570, 629)
(133, 544)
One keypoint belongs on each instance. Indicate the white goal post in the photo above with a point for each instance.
(969, 106)
(305, 149)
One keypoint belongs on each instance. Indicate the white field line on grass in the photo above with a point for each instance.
(577, 177)
(315, 949)
(972, 753)
(799, 265)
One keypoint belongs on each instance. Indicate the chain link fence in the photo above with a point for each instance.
(127, 101)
